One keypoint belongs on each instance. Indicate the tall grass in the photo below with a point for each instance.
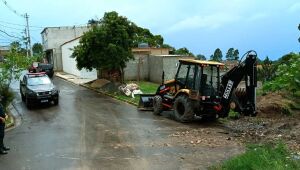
(262, 157)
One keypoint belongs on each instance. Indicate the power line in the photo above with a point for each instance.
(11, 27)
(11, 9)
(9, 34)
(21, 25)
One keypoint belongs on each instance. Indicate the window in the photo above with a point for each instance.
(181, 74)
(191, 77)
(33, 81)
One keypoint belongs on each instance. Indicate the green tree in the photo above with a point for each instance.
(229, 54)
(143, 35)
(200, 57)
(183, 51)
(11, 69)
(236, 54)
(287, 76)
(17, 47)
(107, 46)
(37, 49)
(217, 56)
(267, 70)
(172, 49)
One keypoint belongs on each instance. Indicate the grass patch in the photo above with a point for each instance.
(146, 87)
(233, 114)
(9, 120)
(262, 157)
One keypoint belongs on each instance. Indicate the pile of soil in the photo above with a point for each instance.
(273, 104)
(275, 122)
(99, 83)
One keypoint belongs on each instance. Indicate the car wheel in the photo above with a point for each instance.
(183, 110)
(22, 96)
(56, 101)
(28, 104)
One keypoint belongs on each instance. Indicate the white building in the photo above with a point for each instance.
(54, 37)
(69, 63)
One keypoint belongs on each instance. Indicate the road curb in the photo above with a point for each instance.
(96, 90)
(107, 94)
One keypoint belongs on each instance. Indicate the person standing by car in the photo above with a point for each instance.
(3, 117)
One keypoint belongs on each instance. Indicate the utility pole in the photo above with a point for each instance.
(26, 42)
(28, 34)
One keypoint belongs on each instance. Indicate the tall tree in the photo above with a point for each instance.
(15, 63)
(200, 57)
(217, 56)
(143, 35)
(267, 70)
(183, 51)
(107, 46)
(17, 47)
(229, 54)
(172, 49)
(37, 49)
(236, 54)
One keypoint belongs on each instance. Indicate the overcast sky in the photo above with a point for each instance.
(267, 26)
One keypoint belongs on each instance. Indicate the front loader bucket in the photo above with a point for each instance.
(146, 102)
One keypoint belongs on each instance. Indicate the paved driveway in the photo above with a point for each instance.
(91, 131)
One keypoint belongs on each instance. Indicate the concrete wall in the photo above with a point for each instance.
(151, 51)
(137, 68)
(170, 65)
(152, 67)
(69, 64)
(54, 37)
(155, 68)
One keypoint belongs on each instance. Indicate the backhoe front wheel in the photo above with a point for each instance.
(157, 105)
(183, 110)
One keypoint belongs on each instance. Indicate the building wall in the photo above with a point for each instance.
(151, 67)
(4, 50)
(137, 69)
(151, 51)
(69, 64)
(155, 68)
(170, 65)
(54, 37)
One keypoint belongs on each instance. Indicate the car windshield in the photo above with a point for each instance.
(33, 81)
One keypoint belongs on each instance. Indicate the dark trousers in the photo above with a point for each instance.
(2, 129)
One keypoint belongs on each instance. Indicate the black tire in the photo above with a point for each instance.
(183, 110)
(157, 105)
(28, 104)
(56, 101)
(22, 96)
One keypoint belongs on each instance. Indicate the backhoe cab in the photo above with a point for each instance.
(199, 90)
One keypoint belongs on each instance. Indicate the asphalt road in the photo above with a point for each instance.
(92, 131)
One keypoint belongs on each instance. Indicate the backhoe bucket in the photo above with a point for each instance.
(146, 102)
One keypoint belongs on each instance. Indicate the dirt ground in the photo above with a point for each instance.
(272, 124)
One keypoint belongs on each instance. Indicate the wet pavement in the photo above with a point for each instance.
(92, 131)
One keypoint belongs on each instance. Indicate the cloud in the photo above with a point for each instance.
(295, 7)
(210, 21)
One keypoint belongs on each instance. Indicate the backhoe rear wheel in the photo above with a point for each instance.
(157, 105)
(183, 110)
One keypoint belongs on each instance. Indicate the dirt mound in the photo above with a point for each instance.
(99, 83)
(272, 104)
